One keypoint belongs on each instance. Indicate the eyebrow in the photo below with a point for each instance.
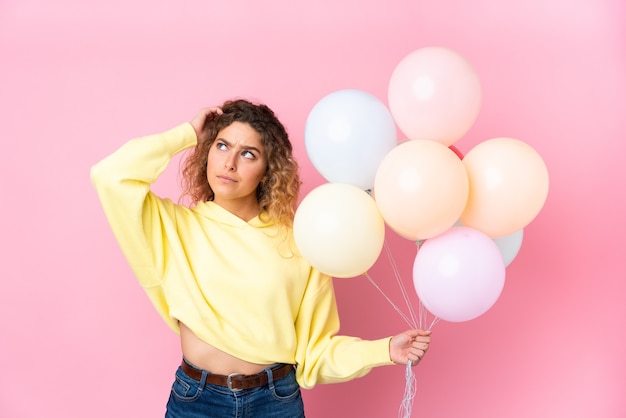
(245, 147)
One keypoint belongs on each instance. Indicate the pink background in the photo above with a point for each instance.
(80, 339)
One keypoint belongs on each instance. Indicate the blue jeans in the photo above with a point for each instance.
(192, 399)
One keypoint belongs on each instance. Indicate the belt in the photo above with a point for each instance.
(236, 381)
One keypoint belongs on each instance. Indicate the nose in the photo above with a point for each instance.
(229, 164)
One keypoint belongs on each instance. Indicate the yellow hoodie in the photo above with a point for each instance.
(237, 285)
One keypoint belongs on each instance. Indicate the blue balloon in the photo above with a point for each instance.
(347, 135)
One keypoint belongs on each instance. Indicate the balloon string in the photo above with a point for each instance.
(396, 272)
(410, 388)
(414, 321)
(406, 407)
(432, 324)
(422, 311)
(421, 314)
(406, 318)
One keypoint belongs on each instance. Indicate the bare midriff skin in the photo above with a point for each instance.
(209, 358)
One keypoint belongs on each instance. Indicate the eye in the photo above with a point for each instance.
(248, 154)
(220, 145)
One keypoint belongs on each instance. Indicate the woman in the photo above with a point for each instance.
(256, 321)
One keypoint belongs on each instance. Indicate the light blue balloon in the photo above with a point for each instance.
(347, 135)
(510, 245)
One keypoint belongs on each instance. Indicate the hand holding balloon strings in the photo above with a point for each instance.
(417, 338)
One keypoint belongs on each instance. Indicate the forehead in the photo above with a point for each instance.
(240, 133)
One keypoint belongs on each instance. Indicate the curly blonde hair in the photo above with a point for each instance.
(278, 193)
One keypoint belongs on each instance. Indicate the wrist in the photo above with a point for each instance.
(390, 356)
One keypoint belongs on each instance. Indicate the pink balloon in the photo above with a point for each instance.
(434, 94)
(459, 275)
(421, 189)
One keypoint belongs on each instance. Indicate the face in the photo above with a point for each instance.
(236, 164)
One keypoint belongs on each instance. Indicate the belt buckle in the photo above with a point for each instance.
(229, 381)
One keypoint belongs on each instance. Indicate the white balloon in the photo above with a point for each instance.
(347, 134)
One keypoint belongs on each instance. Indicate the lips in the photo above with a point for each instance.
(226, 179)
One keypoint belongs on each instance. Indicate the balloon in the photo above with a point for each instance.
(347, 134)
(339, 230)
(421, 189)
(434, 94)
(456, 151)
(509, 245)
(508, 186)
(458, 275)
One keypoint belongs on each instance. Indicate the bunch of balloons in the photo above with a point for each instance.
(467, 212)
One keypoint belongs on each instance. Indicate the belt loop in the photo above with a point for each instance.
(203, 379)
(270, 378)
(203, 376)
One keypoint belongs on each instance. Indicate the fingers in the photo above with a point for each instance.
(214, 109)
(413, 338)
(410, 345)
(422, 339)
(199, 121)
(418, 349)
(420, 345)
(415, 358)
(416, 355)
(414, 333)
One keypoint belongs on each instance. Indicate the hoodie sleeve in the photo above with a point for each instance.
(137, 217)
(322, 356)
